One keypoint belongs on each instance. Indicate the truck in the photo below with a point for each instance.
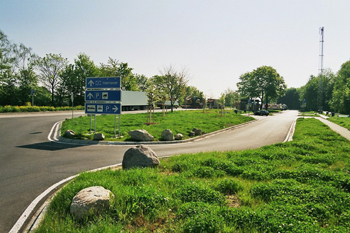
(134, 100)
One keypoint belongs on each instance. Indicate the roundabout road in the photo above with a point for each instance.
(29, 163)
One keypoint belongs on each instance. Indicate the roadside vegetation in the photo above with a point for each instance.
(310, 113)
(178, 122)
(342, 121)
(298, 186)
(29, 108)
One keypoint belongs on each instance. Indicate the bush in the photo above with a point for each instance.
(196, 192)
(228, 187)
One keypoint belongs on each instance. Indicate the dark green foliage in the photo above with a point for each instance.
(228, 187)
(197, 192)
(200, 217)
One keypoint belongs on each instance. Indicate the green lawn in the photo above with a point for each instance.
(298, 186)
(178, 122)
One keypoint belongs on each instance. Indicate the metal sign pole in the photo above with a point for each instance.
(95, 123)
(72, 98)
(119, 125)
(115, 126)
(90, 123)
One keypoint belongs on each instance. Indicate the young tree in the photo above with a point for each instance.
(152, 96)
(173, 83)
(50, 68)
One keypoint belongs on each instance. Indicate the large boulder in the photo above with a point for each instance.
(140, 156)
(69, 133)
(167, 135)
(90, 201)
(99, 136)
(140, 135)
(178, 136)
(197, 131)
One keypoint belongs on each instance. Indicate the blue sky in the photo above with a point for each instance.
(215, 41)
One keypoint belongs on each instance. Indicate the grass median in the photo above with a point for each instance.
(178, 122)
(298, 186)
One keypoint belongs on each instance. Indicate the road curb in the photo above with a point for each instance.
(32, 216)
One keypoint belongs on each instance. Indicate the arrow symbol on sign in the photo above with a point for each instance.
(115, 108)
(91, 83)
(90, 95)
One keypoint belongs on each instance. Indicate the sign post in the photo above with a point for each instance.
(72, 99)
(32, 93)
(103, 96)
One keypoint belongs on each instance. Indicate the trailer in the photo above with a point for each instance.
(134, 100)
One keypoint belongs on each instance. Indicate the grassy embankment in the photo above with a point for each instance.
(299, 186)
(342, 121)
(178, 122)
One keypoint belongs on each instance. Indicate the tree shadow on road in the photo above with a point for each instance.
(50, 146)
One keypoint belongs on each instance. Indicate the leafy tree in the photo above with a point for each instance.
(27, 81)
(74, 77)
(310, 91)
(141, 82)
(248, 86)
(114, 68)
(231, 97)
(16, 73)
(264, 83)
(291, 98)
(50, 68)
(341, 92)
(173, 83)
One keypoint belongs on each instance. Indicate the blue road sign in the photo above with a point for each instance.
(32, 92)
(103, 82)
(93, 108)
(103, 95)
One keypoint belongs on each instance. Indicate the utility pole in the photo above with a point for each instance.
(320, 82)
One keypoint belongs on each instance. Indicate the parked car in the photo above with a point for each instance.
(261, 113)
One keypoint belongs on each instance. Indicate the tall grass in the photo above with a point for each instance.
(299, 186)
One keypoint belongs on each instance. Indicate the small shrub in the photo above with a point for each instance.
(197, 192)
(228, 187)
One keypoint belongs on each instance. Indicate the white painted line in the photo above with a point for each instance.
(290, 134)
(46, 194)
(29, 211)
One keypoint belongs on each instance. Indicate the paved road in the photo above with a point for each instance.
(29, 164)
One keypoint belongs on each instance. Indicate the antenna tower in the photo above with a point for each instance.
(320, 82)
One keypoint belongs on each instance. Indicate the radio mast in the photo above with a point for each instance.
(320, 82)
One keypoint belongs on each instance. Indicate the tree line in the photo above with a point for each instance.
(54, 79)
(328, 90)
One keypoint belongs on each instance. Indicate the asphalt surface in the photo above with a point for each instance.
(29, 163)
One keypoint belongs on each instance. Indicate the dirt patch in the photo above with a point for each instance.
(233, 201)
